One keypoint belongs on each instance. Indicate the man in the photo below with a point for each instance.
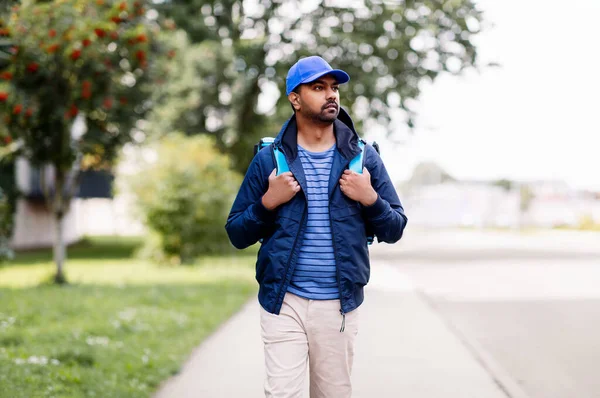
(313, 221)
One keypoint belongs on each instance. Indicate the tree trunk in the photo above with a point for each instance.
(59, 248)
(59, 208)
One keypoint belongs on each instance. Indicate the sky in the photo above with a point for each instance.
(535, 117)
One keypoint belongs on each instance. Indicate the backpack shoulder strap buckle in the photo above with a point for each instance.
(278, 156)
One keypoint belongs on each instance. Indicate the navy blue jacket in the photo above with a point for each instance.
(282, 229)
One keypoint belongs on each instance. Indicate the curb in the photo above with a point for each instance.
(500, 376)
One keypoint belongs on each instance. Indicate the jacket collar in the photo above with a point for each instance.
(346, 136)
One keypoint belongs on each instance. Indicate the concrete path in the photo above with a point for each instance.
(404, 349)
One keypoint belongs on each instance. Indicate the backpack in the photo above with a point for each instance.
(355, 165)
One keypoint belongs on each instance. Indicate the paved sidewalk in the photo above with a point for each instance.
(403, 349)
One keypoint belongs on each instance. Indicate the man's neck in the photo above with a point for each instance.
(315, 137)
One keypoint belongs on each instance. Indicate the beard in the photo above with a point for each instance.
(325, 116)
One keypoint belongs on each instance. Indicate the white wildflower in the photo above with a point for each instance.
(128, 314)
(8, 322)
(97, 340)
(35, 360)
(179, 318)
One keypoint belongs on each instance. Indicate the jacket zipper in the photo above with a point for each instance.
(337, 269)
(287, 267)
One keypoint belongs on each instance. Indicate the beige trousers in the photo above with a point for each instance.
(308, 332)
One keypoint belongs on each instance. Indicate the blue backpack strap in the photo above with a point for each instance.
(278, 156)
(356, 164)
(282, 165)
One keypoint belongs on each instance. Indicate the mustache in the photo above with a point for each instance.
(331, 103)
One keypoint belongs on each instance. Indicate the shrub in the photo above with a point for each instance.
(6, 220)
(183, 192)
(587, 223)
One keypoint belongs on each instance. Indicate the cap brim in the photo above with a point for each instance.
(340, 76)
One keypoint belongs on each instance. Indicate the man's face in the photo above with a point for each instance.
(318, 100)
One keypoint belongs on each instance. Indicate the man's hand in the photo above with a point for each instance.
(282, 189)
(358, 187)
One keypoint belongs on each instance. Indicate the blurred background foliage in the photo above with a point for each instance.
(183, 190)
(136, 71)
(228, 60)
(388, 47)
(77, 80)
(71, 57)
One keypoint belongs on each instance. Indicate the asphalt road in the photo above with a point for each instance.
(528, 304)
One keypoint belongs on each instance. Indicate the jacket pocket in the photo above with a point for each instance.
(341, 213)
(275, 252)
(291, 211)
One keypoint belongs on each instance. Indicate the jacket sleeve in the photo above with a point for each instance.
(386, 216)
(248, 219)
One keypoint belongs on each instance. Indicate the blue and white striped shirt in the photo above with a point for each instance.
(315, 274)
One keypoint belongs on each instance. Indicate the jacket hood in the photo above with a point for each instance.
(346, 136)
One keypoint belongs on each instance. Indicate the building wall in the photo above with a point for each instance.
(106, 217)
(461, 204)
(452, 204)
(35, 226)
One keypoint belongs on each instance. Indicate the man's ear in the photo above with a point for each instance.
(294, 99)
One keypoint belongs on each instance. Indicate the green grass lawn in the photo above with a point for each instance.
(119, 329)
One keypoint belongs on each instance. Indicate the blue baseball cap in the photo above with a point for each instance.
(309, 69)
